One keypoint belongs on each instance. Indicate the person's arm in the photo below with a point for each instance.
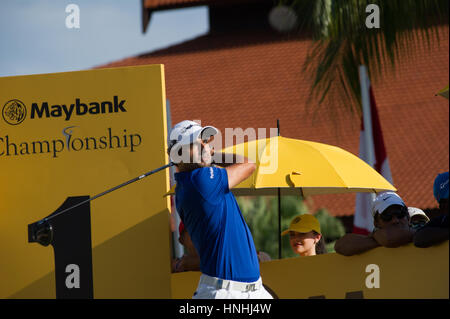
(238, 168)
(189, 263)
(392, 236)
(176, 265)
(262, 257)
(352, 244)
(428, 236)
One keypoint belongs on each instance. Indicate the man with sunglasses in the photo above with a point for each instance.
(391, 227)
(211, 215)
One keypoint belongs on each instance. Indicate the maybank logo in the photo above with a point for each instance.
(70, 141)
(14, 111)
(78, 108)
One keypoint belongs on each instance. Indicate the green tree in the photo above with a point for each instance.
(261, 214)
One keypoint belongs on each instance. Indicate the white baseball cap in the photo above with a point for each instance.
(384, 200)
(414, 211)
(186, 133)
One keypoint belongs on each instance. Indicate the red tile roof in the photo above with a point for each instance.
(159, 4)
(171, 4)
(251, 79)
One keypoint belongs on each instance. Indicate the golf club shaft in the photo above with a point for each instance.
(110, 190)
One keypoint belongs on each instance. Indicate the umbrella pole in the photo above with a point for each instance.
(279, 207)
(279, 224)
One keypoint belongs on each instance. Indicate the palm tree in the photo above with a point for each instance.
(342, 41)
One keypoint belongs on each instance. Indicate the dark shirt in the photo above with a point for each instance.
(440, 221)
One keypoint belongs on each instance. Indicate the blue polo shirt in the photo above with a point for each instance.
(215, 223)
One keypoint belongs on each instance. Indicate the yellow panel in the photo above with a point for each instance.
(404, 272)
(184, 284)
(104, 150)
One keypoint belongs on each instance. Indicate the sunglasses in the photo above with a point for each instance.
(387, 216)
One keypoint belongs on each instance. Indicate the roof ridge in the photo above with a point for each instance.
(173, 4)
(237, 40)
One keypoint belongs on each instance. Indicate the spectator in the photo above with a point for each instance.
(391, 221)
(417, 217)
(263, 256)
(437, 229)
(305, 236)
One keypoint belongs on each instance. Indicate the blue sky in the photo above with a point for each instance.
(34, 37)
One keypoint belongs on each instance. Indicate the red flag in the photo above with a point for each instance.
(363, 220)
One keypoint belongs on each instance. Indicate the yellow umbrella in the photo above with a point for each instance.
(289, 166)
(304, 168)
(286, 165)
(307, 167)
(443, 92)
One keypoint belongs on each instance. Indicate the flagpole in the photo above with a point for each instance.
(367, 118)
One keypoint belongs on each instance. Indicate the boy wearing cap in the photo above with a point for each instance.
(392, 229)
(437, 229)
(211, 215)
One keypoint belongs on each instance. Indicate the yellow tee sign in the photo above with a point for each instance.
(64, 138)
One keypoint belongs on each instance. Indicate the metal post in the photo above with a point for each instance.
(367, 119)
(279, 207)
(177, 248)
(365, 99)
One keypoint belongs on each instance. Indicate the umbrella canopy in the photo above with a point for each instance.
(288, 166)
(309, 167)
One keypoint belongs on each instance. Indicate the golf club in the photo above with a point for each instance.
(108, 191)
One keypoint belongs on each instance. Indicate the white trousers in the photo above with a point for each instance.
(211, 291)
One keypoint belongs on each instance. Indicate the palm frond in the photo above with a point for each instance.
(343, 42)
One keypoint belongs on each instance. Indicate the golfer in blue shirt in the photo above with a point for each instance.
(211, 215)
